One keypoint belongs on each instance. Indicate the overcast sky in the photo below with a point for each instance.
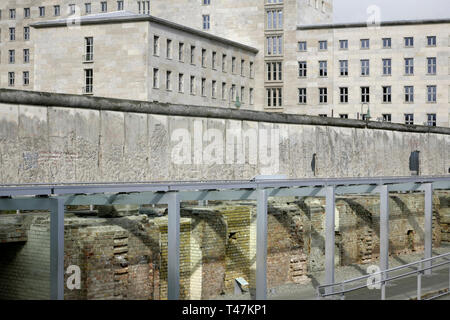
(355, 10)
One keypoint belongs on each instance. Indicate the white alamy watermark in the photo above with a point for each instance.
(74, 280)
(373, 282)
(374, 17)
(200, 146)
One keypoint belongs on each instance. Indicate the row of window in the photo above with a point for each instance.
(431, 67)
(387, 117)
(316, 4)
(12, 34)
(193, 87)
(204, 57)
(431, 93)
(71, 9)
(365, 43)
(12, 56)
(12, 78)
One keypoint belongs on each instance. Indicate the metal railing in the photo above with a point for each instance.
(421, 267)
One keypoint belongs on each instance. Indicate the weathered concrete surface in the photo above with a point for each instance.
(65, 138)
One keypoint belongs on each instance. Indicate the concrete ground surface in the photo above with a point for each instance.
(400, 289)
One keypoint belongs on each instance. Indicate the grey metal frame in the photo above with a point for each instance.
(54, 197)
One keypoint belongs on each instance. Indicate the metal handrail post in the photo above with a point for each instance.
(383, 286)
(343, 291)
(419, 282)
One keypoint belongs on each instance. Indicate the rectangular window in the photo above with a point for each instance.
(206, 23)
(387, 67)
(242, 67)
(233, 92)
(251, 96)
(12, 34)
(120, 5)
(387, 94)
(57, 10)
(365, 94)
(365, 67)
(409, 66)
(242, 94)
(71, 9)
(204, 58)
(431, 41)
(87, 8)
(89, 81)
(409, 118)
(203, 87)
(180, 82)
(251, 70)
(365, 43)
(233, 64)
(323, 68)
(323, 115)
(343, 95)
(26, 55)
(155, 78)
(12, 13)
(409, 42)
(431, 65)
(181, 51)
(431, 93)
(12, 56)
(26, 13)
(214, 60)
(41, 11)
(192, 54)
(274, 97)
(274, 19)
(387, 43)
(169, 49)
(224, 63)
(343, 68)
(323, 45)
(144, 7)
(323, 95)
(155, 45)
(431, 119)
(274, 45)
(11, 79)
(387, 117)
(26, 78)
(169, 80)
(213, 89)
(104, 6)
(302, 96)
(343, 44)
(192, 85)
(302, 46)
(274, 71)
(224, 90)
(343, 116)
(302, 68)
(26, 33)
(89, 49)
(409, 94)
(206, 2)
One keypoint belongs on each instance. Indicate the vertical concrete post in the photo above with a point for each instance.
(261, 245)
(329, 237)
(384, 235)
(173, 246)
(57, 249)
(428, 225)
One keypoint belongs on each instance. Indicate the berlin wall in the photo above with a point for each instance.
(53, 138)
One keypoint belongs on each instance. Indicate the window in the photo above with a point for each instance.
(87, 8)
(302, 96)
(251, 70)
(12, 56)
(181, 51)
(144, 7)
(26, 12)
(242, 94)
(192, 54)
(104, 6)
(365, 43)
(169, 49)
(192, 85)
(89, 80)
(224, 90)
(343, 67)
(206, 22)
(387, 117)
(343, 116)
(155, 78)
(323, 95)
(343, 44)
(343, 95)
(323, 68)
(233, 92)
(431, 41)
(274, 19)
(26, 33)
(251, 96)
(302, 66)
(387, 94)
(302, 46)
(89, 49)
(203, 87)
(323, 45)
(204, 58)
(274, 97)
(409, 94)
(120, 5)
(11, 79)
(274, 45)
(224, 63)
(213, 60)
(26, 78)
(213, 89)
(274, 71)
(206, 2)
(41, 11)
(387, 67)
(409, 66)
(12, 13)
(365, 67)
(233, 64)
(409, 42)
(156, 45)
(26, 55)
(57, 11)
(409, 118)
(431, 119)
(71, 9)
(365, 94)
(242, 67)
(168, 80)
(12, 34)
(387, 43)
(180, 82)
(431, 65)
(323, 115)
(431, 93)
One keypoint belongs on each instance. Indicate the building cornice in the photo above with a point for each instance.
(365, 24)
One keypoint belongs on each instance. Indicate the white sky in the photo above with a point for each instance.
(356, 10)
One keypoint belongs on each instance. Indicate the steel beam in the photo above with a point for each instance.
(57, 249)
(173, 246)
(261, 245)
(428, 225)
(329, 236)
(384, 235)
